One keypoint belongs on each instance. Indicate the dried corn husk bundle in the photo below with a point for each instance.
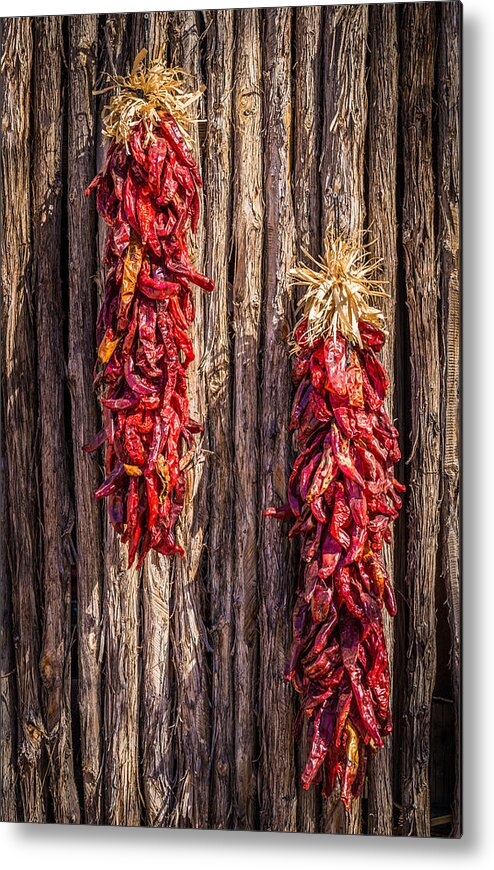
(338, 291)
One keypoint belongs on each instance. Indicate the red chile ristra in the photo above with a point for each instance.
(342, 497)
(147, 192)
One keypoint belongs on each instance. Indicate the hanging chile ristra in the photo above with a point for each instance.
(342, 497)
(147, 192)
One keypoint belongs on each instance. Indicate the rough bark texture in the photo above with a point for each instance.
(81, 318)
(190, 640)
(20, 411)
(448, 185)
(57, 516)
(120, 606)
(345, 117)
(277, 791)
(178, 712)
(382, 220)
(121, 709)
(247, 292)
(419, 40)
(156, 695)
(217, 369)
(121, 618)
(157, 692)
(150, 31)
(342, 163)
(306, 196)
(9, 811)
(307, 127)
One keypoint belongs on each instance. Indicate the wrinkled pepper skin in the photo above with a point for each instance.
(148, 196)
(342, 498)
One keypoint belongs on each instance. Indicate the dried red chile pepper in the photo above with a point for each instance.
(147, 192)
(342, 498)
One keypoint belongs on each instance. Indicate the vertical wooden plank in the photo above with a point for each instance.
(247, 237)
(277, 771)
(189, 638)
(217, 366)
(342, 182)
(121, 615)
(344, 117)
(417, 83)
(113, 60)
(82, 36)
(306, 195)
(156, 695)
(156, 686)
(8, 718)
(149, 30)
(20, 408)
(307, 127)
(382, 222)
(121, 708)
(57, 510)
(448, 187)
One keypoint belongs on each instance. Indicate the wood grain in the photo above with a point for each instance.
(82, 38)
(343, 204)
(121, 617)
(382, 222)
(417, 84)
(189, 635)
(344, 117)
(278, 802)
(307, 127)
(247, 255)
(20, 411)
(156, 689)
(448, 241)
(216, 366)
(306, 197)
(9, 810)
(149, 30)
(57, 515)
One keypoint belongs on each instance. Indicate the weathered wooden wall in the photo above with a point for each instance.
(157, 697)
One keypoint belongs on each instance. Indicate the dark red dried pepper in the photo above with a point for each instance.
(342, 495)
(147, 194)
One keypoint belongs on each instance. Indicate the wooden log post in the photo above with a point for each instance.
(306, 195)
(342, 187)
(9, 809)
(149, 30)
(217, 368)
(278, 803)
(57, 509)
(382, 223)
(247, 239)
(417, 83)
(192, 744)
(448, 239)
(307, 128)
(344, 119)
(121, 612)
(120, 606)
(20, 411)
(156, 688)
(82, 309)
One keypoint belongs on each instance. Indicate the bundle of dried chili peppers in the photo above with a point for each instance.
(147, 192)
(342, 497)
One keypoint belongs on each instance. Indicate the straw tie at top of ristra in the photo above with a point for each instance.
(342, 498)
(148, 194)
